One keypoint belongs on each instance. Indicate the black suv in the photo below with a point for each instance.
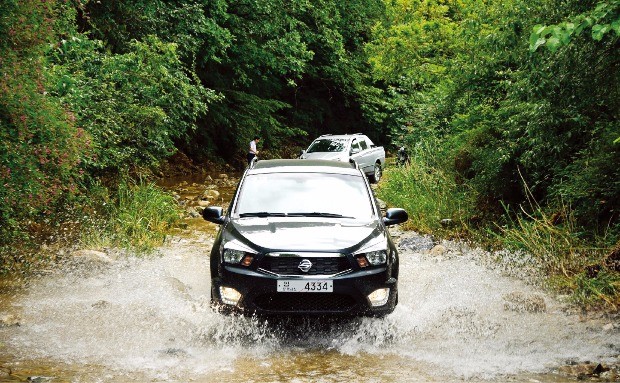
(304, 237)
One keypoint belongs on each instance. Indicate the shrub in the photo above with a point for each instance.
(138, 218)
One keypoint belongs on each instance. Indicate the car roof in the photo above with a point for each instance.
(304, 166)
(340, 136)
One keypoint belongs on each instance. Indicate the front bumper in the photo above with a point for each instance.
(259, 293)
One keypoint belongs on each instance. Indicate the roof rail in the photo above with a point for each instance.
(253, 162)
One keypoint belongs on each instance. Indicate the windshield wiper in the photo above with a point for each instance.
(317, 214)
(262, 214)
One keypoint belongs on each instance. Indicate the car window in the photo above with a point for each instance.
(355, 147)
(346, 195)
(327, 145)
(363, 145)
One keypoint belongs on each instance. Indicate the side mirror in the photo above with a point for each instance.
(395, 216)
(214, 214)
(301, 153)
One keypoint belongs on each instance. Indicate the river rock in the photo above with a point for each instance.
(40, 379)
(203, 203)
(192, 212)
(416, 243)
(9, 320)
(91, 256)
(438, 250)
(447, 222)
(100, 304)
(224, 176)
(520, 302)
(211, 194)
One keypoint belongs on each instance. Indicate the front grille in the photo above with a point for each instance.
(305, 302)
(290, 265)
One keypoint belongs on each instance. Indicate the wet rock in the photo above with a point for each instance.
(203, 203)
(178, 352)
(40, 379)
(5, 372)
(100, 304)
(591, 371)
(447, 222)
(610, 376)
(211, 194)
(191, 211)
(382, 204)
(9, 320)
(520, 302)
(599, 369)
(178, 286)
(224, 176)
(438, 250)
(91, 257)
(416, 243)
(609, 327)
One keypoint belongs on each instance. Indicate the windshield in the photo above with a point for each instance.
(304, 194)
(328, 145)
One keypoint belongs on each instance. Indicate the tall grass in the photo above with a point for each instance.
(140, 217)
(428, 193)
(574, 263)
(575, 266)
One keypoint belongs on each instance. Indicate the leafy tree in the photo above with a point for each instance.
(40, 144)
(134, 105)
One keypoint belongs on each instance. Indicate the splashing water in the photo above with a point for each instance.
(149, 319)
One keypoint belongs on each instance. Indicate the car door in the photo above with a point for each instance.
(359, 155)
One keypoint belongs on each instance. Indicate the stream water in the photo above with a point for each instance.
(147, 319)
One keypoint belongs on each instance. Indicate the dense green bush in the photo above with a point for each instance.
(133, 105)
(41, 146)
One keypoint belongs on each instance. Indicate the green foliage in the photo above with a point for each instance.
(133, 105)
(504, 116)
(428, 193)
(40, 145)
(602, 20)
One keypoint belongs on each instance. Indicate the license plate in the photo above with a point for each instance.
(305, 286)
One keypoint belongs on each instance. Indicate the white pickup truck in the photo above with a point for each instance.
(349, 147)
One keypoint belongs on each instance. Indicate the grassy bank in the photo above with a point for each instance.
(578, 263)
(138, 218)
(135, 216)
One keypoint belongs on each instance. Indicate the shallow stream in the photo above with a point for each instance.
(147, 319)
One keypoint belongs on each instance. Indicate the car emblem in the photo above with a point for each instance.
(305, 265)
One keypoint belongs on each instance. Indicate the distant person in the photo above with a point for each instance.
(253, 152)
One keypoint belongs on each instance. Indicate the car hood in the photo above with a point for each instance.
(323, 156)
(275, 234)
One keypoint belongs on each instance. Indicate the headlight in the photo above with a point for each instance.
(232, 255)
(377, 257)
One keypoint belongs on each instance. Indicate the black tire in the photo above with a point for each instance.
(376, 174)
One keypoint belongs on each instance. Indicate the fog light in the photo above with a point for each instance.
(362, 262)
(229, 295)
(247, 260)
(379, 297)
